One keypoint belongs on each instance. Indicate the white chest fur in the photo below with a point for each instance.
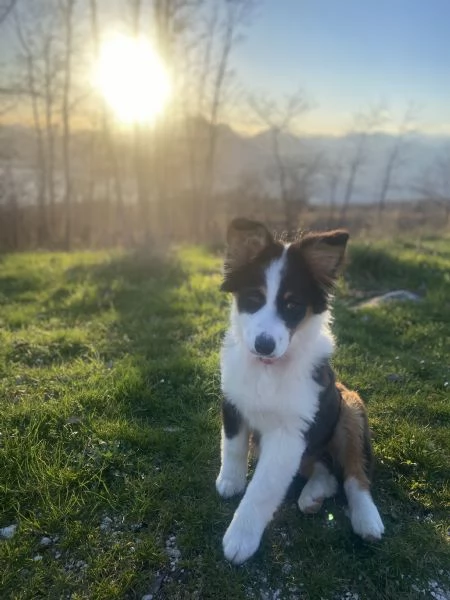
(280, 395)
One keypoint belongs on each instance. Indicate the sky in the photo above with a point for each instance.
(348, 54)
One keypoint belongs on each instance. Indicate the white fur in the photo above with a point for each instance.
(266, 321)
(322, 484)
(279, 459)
(232, 478)
(280, 401)
(364, 515)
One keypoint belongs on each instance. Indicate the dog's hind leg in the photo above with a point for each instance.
(352, 448)
(320, 485)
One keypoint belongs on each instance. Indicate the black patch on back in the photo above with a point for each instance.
(231, 419)
(322, 429)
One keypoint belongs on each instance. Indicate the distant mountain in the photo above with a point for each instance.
(242, 155)
(244, 159)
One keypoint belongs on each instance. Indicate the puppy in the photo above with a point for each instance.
(277, 383)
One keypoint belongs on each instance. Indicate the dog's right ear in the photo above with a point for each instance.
(245, 240)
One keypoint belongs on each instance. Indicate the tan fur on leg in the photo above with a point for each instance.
(350, 445)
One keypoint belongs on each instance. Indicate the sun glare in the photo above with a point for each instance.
(132, 79)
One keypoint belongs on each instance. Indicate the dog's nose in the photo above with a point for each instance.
(264, 344)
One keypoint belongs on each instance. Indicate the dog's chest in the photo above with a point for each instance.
(269, 396)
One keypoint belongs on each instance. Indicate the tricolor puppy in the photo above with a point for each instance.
(278, 384)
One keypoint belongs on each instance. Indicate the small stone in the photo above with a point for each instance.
(394, 296)
(73, 420)
(37, 558)
(106, 524)
(139, 526)
(6, 533)
(147, 597)
(45, 542)
(394, 377)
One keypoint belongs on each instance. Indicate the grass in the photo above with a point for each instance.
(109, 432)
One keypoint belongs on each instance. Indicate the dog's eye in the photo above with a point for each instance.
(295, 308)
(292, 305)
(252, 300)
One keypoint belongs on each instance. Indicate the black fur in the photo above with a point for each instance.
(321, 431)
(231, 418)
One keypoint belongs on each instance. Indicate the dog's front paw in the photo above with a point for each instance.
(366, 522)
(241, 539)
(230, 486)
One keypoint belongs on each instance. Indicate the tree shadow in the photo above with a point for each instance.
(18, 288)
(375, 269)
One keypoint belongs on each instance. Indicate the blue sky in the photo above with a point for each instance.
(347, 54)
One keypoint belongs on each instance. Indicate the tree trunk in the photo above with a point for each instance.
(68, 14)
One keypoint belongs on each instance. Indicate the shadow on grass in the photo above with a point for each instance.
(16, 288)
(372, 268)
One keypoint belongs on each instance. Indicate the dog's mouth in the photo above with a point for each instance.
(267, 361)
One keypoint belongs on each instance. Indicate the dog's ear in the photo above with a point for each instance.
(245, 240)
(324, 253)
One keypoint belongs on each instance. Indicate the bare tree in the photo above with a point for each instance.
(6, 9)
(67, 9)
(198, 53)
(279, 119)
(106, 132)
(333, 179)
(28, 48)
(51, 74)
(236, 16)
(396, 155)
(365, 124)
(435, 182)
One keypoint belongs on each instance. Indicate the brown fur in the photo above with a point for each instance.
(350, 444)
(349, 449)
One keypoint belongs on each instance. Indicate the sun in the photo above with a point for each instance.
(132, 78)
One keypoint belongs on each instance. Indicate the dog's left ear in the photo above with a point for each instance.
(246, 239)
(325, 252)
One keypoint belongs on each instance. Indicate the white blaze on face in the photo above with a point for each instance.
(266, 321)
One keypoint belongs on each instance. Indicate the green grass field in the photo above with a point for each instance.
(109, 433)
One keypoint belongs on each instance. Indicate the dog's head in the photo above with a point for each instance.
(278, 287)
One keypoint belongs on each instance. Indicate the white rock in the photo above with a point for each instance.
(7, 533)
(45, 542)
(394, 296)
